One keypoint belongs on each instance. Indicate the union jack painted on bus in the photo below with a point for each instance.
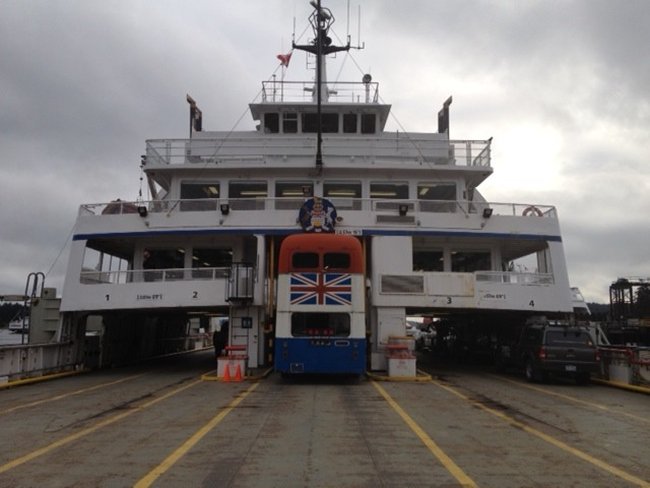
(320, 289)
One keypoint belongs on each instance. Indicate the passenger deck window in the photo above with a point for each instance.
(428, 260)
(329, 123)
(207, 192)
(343, 194)
(470, 261)
(247, 195)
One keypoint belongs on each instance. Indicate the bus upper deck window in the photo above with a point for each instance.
(304, 260)
(338, 260)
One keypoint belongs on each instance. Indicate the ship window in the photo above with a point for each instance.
(289, 123)
(350, 123)
(304, 260)
(368, 123)
(106, 266)
(305, 324)
(204, 262)
(329, 123)
(336, 260)
(271, 123)
(470, 261)
(206, 195)
(247, 195)
(389, 190)
(169, 262)
(344, 195)
(428, 260)
(292, 194)
(436, 194)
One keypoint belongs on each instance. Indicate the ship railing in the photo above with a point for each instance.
(515, 278)
(398, 206)
(158, 275)
(338, 149)
(303, 91)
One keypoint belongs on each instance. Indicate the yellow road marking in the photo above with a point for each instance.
(551, 440)
(573, 399)
(446, 461)
(84, 432)
(64, 395)
(162, 468)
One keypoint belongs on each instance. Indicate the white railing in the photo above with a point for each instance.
(411, 207)
(164, 275)
(515, 278)
(302, 91)
(338, 149)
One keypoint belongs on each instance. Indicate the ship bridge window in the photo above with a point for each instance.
(291, 194)
(289, 123)
(271, 123)
(206, 195)
(247, 195)
(428, 260)
(329, 123)
(470, 261)
(304, 260)
(368, 123)
(350, 123)
(211, 263)
(305, 324)
(435, 196)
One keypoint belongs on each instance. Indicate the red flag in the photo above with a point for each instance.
(284, 59)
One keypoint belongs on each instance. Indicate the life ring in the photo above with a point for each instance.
(532, 210)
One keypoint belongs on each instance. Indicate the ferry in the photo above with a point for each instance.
(316, 235)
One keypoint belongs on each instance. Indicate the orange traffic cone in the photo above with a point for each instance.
(226, 373)
(238, 373)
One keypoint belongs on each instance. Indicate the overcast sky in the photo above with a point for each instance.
(562, 86)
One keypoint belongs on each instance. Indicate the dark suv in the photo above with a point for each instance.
(546, 348)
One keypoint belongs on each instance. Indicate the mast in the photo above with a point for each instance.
(321, 20)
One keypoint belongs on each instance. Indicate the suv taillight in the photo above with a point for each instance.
(597, 355)
(541, 354)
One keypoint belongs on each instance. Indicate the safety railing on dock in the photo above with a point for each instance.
(626, 364)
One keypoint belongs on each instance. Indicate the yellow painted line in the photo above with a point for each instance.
(38, 379)
(446, 461)
(598, 406)
(163, 467)
(84, 432)
(623, 386)
(65, 395)
(551, 440)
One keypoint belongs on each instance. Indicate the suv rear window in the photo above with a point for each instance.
(568, 337)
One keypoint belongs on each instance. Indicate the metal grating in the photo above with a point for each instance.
(412, 284)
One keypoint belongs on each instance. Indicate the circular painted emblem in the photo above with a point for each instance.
(317, 215)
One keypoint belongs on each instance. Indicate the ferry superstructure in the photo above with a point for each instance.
(207, 242)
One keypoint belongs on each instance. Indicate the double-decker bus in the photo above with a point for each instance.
(320, 321)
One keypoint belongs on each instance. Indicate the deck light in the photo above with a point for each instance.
(403, 209)
(142, 211)
(487, 213)
(225, 209)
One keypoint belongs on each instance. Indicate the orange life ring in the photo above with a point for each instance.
(532, 210)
